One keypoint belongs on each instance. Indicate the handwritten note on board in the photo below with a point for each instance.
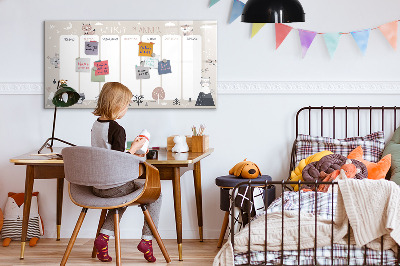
(101, 67)
(146, 48)
(151, 62)
(91, 48)
(142, 72)
(82, 65)
(164, 67)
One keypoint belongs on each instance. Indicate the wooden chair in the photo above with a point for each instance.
(85, 167)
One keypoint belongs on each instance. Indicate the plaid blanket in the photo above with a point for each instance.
(323, 205)
(324, 257)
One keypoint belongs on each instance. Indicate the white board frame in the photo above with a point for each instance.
(191, 47)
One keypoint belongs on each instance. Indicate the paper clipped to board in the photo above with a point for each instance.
(101, 68)
(91, 48)
(164, 67)
(146, 49)
(82, 65)
(94, 78)
(142, 72)
(151, 62)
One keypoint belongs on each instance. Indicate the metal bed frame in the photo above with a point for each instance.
(284, 183)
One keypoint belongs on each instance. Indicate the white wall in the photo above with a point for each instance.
(257, 127)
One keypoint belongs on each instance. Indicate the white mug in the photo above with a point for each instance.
(144, 134)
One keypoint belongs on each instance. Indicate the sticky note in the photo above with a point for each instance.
(95, 78)
(146, 49)
(142, 72)
(101, 67)
(164, 67)
(91, 48)
(82, 65)
(151, 62)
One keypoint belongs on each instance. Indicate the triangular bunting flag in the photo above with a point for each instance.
(361, 38)
(389, 30)
(213, 2)
(281, 31)
(237, 9)
(255, 28)
(306, 39)
(332, 41)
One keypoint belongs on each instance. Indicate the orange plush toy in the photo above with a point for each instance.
(245, 169)
(375, 170)
(13, 214)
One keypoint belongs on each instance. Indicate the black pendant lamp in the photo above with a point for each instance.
(273, 11)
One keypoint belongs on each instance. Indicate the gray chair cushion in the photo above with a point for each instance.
(84, 196)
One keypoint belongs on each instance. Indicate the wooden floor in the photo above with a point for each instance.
(50, 252)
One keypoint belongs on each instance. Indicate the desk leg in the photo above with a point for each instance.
(197, 189)
(176, 183)
(60, 190)
(27, 206)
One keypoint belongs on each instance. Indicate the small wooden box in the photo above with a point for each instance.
(171, 143)
(200, 143)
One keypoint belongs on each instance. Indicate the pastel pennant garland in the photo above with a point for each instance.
(361, 38)
(332, 41)
(281, 31)
(389, 30)
(306, 39)
(256, 28)
(213, 2)
(237, 9)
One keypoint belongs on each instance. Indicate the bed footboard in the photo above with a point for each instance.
(379, 257)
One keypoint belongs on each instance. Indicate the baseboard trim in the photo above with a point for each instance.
(259, 87)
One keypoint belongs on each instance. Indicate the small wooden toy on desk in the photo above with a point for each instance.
(199, 140)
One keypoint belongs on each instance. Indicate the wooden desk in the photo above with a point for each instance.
(171, 167)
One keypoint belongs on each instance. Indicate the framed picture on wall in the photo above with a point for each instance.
(166, 64)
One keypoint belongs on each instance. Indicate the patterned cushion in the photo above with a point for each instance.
(372, 144)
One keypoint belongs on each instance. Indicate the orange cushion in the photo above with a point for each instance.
(375, 170)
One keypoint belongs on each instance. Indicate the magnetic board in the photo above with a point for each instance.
(166, 64)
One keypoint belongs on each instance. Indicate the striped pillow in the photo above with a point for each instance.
(372, 145)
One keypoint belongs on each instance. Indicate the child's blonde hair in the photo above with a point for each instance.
(113, 97)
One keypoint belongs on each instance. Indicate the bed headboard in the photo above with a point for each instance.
(344, 121)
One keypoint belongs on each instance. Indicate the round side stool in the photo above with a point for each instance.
(228, 182)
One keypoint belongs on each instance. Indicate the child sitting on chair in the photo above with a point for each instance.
(106, 133)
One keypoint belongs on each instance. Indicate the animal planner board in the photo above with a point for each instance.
(166, 64)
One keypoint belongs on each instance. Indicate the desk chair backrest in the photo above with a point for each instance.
(91, 166)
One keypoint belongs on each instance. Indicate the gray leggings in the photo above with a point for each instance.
(154, 208)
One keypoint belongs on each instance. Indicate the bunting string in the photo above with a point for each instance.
(343, 33)
(361, 37)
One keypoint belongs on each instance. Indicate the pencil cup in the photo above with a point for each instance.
(200, 143)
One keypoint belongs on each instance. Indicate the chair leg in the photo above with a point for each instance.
(73, 237)
(117, 239)
(223, 229)
(101, 222)
(154, 230)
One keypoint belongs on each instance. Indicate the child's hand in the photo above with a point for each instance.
(143, 155)
(137, 144)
